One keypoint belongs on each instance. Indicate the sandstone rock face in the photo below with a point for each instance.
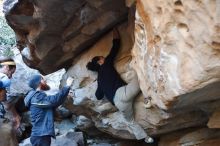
(85, 84)
(199, 137)
(214, 121)
(177, 51)
(105, 116)
(23, 74)
(173, 46)
(55, 32)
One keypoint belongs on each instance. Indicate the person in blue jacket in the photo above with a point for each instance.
(42, 108)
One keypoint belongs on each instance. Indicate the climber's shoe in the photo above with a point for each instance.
(149, 139)
(147, 103)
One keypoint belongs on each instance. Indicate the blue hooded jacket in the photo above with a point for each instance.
(4, 81)
(42, 107)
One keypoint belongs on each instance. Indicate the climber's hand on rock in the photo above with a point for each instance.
(116, 33)
(71, 94)
(69, 81)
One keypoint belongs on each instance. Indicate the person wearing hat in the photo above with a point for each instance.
(7, 134)
(7, 69)
(42, 108)
(4, 83)
(7, 66)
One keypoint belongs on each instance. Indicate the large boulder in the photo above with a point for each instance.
(50, 34)
(173, 46)
(177, 51)
(106, 117)
(23, 74)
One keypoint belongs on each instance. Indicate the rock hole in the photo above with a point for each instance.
(178, 12)
(159, 10)
(157, 38)
(178, 3)
(169, 26)
(216, 45)
(183, 26)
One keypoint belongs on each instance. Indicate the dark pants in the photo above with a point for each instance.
(40, 140)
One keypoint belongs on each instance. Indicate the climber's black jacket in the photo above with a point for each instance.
(109, 79)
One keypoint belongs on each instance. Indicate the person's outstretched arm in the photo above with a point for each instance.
(115, 47)
(57, 99)
(51, 101)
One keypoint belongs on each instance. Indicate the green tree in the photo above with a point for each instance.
(7, 38)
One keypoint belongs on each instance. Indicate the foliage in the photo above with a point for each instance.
(6, 51)
(7, 38)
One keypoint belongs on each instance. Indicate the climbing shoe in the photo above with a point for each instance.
(149, 139)
(147, 103)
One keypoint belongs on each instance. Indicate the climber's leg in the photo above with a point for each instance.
(124, 98)
(131, 90)
(139, 132)
(41, 140)
(125, 107)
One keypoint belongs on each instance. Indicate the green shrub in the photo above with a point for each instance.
(7, 38)
(6, 51)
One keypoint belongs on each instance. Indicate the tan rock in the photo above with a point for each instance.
(175, 51)
(106, 117)
(214, 120)
(192, 137)
(55, 32)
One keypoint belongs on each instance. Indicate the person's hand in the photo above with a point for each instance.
(116, 33)
(69, 81)
(71, 94)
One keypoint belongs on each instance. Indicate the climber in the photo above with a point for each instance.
(42, 108)
(111, 85)
(7, 134)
